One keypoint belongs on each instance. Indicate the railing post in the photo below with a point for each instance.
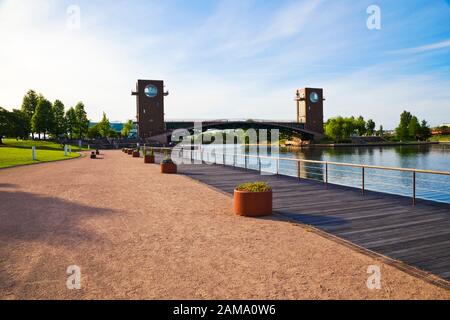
(278, 164)
(326, 175)
(259, 164)
(298, 170)
(245, 161)
(414, 188)
(363, 182)
(223, 156)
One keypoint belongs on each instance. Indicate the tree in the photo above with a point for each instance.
(42, 120)
(360, 126)
(414, 128)
(4, 123)
(402, 130)
(19, 125)
(71, 122)
(127, 127)
(29, 104)
(94, 132)
(380, 131)
(82, 122)
(370, 127)
(104, 126)
(425, 131)
(59, 121)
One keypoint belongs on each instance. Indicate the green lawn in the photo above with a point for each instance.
(443, 138)
(14, 153)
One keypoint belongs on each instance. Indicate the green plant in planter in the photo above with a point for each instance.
(254, 187)
(152, 153)
(167, 158)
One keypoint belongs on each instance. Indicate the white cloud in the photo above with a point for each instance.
(425, 48)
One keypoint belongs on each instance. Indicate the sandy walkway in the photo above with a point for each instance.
(138, 234)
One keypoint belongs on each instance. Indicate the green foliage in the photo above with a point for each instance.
(29, 103)
(82, 122)
(380, 131)
(104, 126)
(42, 120)
(94, 132)
(4, 123)
(425, 131)
(402, 130)
(71, 122)
(359, 125)
(127, 127)
(59, 121)
(339, 129)
(254, 187)
(409, 128)
(370, 127)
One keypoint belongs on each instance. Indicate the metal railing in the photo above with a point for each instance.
(415, 183)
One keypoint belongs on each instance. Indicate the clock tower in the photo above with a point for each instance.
(150, 107)
(310, 108)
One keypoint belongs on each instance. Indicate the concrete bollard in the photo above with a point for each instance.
(33, 153)
(65, 150)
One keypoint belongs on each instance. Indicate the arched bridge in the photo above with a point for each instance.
(283, 126)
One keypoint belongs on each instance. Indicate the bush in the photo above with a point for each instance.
(254, 187)
(166, 161)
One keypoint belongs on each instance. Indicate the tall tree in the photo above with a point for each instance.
(360, 126)
(402, 130)
(414, 128)
(42, 120)
(19, 124)
(29, 104)
(425, 131)
(380, 131)
(104, 126)
(4, 123)
(59, 121)
(370, 127)
(127, 127)
(71, 122)
(82, 124)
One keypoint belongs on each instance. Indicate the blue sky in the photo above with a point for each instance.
(231, 59)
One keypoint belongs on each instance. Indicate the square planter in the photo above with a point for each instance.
(252, 204)
(149, 159)
(135, 154)
(168, 168)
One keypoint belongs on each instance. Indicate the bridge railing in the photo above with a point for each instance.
(415, 183)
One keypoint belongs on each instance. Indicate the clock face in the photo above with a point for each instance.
(151, 91)
(313, 96)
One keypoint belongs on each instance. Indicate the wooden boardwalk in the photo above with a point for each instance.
(387, 224)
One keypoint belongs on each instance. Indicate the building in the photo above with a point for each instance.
(150, 108)
(310, 108)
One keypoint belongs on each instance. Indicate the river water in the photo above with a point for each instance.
(428, 157)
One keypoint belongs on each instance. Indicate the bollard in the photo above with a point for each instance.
(65, 150)
(33, 153)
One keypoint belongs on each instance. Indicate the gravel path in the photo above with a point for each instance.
(138, 234)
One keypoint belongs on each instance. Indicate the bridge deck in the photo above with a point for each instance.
(387, 224)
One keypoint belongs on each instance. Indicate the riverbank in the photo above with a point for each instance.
(384, 144)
